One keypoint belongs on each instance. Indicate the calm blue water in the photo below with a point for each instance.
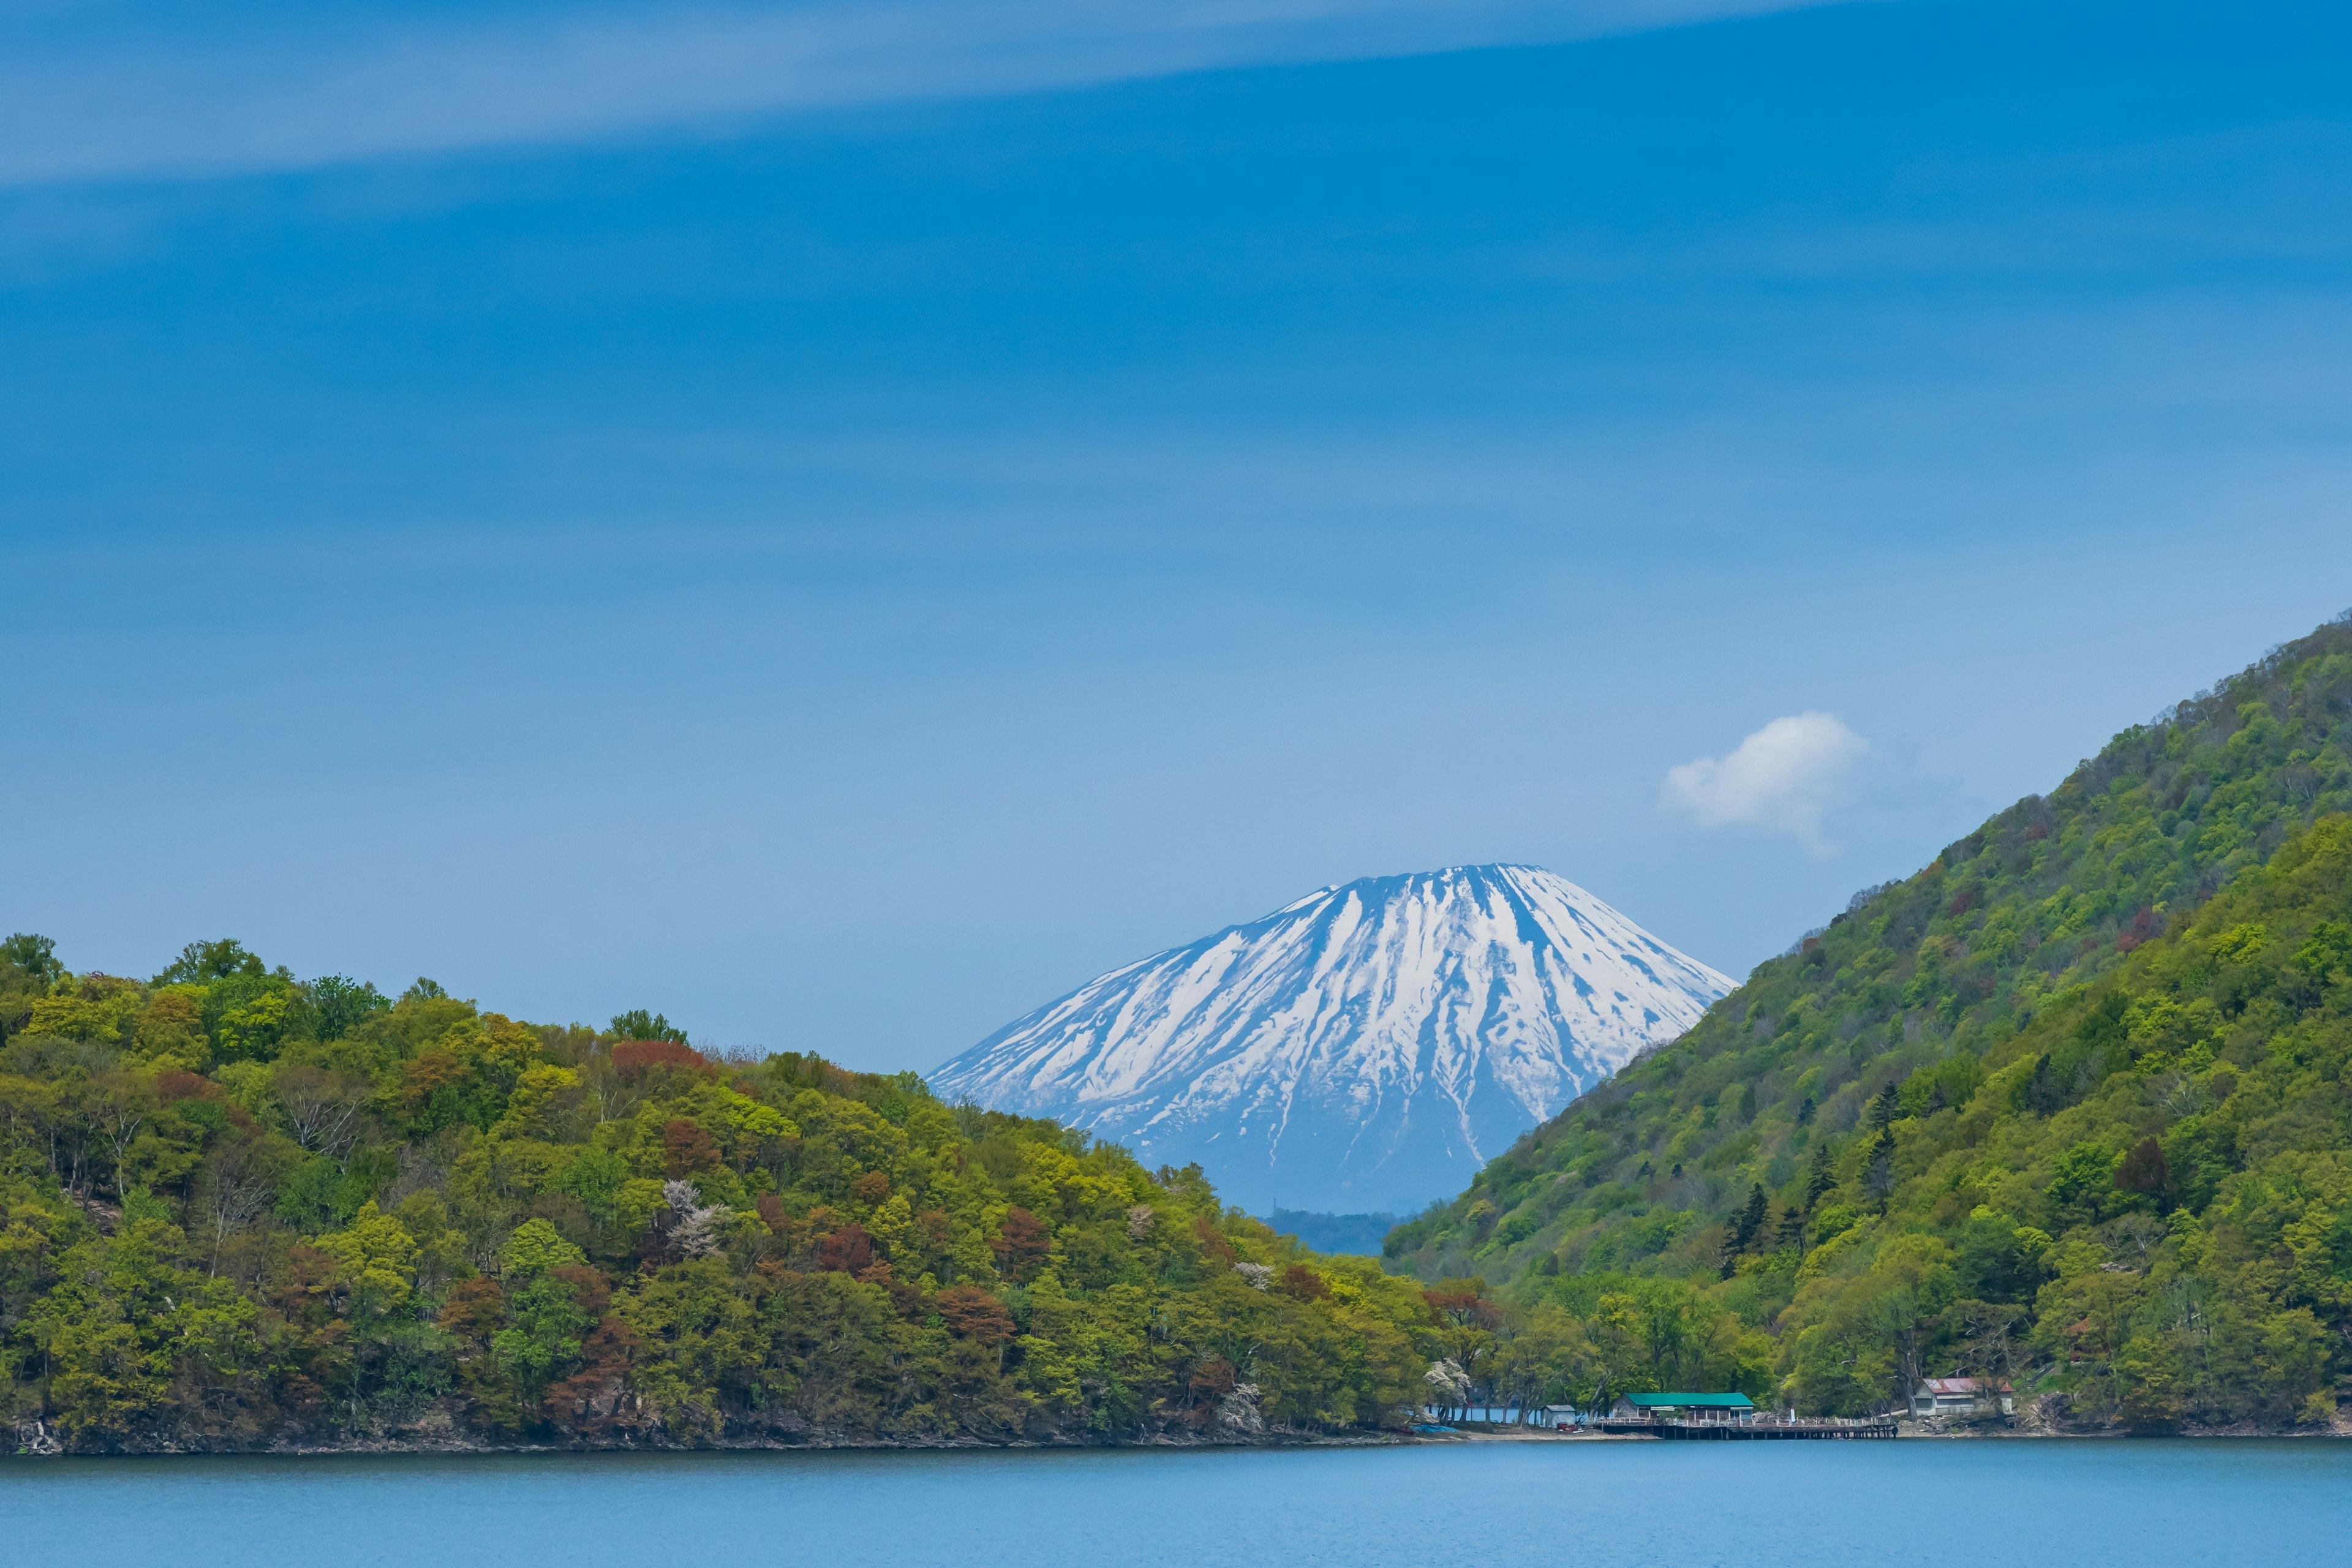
(2075, 1504)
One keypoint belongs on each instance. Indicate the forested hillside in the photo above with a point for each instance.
(2068, 1105)
(239, 1210)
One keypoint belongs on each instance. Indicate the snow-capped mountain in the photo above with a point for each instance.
(1367, 1048)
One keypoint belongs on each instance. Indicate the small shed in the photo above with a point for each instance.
(1684, 1407)
(1961, 1396)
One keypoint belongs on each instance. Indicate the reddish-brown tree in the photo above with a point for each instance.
(1020, 1245)
(1304, 1283)
(634, 1061)
(1462, 1304)
(475, 1311)
(687, 1148)
(1213, 1245)
(971, 1313)
(846, 1250)
(595, 1400)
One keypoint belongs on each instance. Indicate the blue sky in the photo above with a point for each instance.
(839, 523)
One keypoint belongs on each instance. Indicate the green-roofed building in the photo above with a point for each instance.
(1683, 1407)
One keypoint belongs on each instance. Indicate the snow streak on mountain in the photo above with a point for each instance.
(1367, 1048)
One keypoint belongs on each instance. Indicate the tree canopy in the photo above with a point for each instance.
(2067, 1107)
(239, 1209)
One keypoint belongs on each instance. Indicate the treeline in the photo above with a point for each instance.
(2068, 1108)
(239, 1210)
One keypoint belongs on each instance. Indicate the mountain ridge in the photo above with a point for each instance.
(1351, 1047)
(2050, 893)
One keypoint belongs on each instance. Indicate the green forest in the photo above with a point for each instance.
(239, 1210)
(2070, 1108)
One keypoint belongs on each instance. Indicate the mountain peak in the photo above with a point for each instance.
(1368, 1046)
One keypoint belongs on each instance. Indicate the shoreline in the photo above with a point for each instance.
(431, 1448)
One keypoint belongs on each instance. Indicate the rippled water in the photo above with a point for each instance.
(1767, 1505)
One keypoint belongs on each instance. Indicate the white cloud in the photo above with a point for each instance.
(1782, 777)
(106, 99)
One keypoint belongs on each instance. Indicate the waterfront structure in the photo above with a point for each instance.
(1961, 1396)
(1731, 1407)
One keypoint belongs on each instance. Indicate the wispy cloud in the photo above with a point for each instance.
(84, 95)
(1783, 778)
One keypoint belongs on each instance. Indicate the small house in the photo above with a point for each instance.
(1961, 1396)
(1683, 1407)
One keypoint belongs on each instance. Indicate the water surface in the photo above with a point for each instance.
(1593, 1505)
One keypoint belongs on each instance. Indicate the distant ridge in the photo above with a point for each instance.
(1355, 1233)
(1366, 1048)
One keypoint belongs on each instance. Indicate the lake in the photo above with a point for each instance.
(1594, 1505)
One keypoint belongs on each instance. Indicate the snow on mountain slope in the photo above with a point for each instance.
(1366, 1048)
